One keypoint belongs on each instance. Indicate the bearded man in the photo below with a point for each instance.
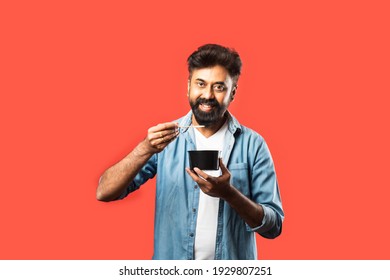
(203, 214)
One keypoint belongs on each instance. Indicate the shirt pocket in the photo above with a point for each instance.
(240, 177)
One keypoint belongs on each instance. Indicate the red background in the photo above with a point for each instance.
(81, 81)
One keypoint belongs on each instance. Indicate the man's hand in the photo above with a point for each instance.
(116, 178)
(159, 137)
(251, 212)
(213, 186)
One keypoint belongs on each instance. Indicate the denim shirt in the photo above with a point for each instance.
(248, 159)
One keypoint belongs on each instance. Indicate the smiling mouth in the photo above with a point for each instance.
(205, 107)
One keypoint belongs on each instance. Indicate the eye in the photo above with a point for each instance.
(200, 84)
(219, 87)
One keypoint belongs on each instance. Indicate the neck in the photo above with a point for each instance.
(212, 128)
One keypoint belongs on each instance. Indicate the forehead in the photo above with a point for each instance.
(211, 74)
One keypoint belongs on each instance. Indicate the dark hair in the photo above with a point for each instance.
(211, 55)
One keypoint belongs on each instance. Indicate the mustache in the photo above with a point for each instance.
(210, 102)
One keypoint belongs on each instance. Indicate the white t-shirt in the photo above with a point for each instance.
(206, 225)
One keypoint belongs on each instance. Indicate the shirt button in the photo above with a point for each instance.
(191, 234)
(196, 186)
(194, 210)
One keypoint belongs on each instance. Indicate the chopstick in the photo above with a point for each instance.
(186, 126)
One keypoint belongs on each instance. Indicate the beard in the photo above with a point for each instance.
(207, 118)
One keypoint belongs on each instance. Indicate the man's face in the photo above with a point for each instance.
(210, 91)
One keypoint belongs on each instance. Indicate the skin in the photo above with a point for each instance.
(209, 83)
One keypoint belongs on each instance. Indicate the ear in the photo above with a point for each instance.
(233, 93)
(188, 87)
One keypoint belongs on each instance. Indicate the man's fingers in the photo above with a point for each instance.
(201, 173)
(164, 134)
(164, 126)
(162, 137)
(204, 176)
(169, 138)
(193, 175)
(161, 143)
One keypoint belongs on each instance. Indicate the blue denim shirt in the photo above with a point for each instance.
(248, 159)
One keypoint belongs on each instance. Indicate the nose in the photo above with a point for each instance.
(208, 92)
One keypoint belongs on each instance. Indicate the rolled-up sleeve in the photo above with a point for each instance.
(265, 191)
(147, 172)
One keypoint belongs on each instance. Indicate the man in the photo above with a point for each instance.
(199, 214)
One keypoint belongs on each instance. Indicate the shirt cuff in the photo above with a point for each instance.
(269, 220)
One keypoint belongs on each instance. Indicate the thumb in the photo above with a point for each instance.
(223, 167)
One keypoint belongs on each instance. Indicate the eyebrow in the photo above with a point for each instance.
(216, 83)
